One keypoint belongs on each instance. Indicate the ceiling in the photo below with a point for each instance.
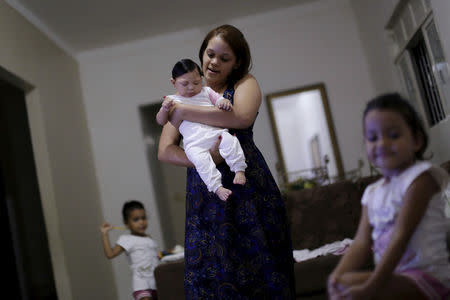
(82, 25)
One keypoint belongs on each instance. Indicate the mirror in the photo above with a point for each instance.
(304, 133)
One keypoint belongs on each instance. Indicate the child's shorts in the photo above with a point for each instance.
(432, 288)
(145, 293)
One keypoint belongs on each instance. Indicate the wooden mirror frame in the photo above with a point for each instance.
(270, 98)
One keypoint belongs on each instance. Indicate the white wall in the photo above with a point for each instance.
(63, 156)
(372, 17)
(302, 45)
(441, 11)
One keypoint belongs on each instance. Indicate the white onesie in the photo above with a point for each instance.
(199, 138)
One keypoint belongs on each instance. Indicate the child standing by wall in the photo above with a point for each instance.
(141, 250)
(403, 220)
(199, 138)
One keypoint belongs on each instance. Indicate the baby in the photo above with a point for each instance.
(199, 138)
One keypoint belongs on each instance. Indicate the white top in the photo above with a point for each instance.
(206, 97)
(194, 133)
(142, 257)
(427, 249)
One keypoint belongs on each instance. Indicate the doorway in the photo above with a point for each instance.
(28, 263)
(169, 182)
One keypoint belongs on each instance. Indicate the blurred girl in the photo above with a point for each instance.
(403, 221)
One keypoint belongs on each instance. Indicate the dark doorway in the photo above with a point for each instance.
(29, 273)
(169, 181)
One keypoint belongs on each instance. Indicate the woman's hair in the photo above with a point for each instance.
(236, 40)
(184, 66)
(128, 207)
(396, 103)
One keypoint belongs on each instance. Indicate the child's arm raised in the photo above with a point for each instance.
(109, 252)
(415, 203)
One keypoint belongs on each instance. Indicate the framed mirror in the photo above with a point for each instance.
(304, 133)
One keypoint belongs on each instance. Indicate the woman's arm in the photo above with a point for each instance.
(247, 99)
(169, 150)
(415, 203)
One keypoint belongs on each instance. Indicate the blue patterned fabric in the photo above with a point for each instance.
(241, 248)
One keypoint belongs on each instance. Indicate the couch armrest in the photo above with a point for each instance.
(323, 214)
(169, 279)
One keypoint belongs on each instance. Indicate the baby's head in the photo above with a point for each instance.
(394, 133)
(134, 217)
(186, 78)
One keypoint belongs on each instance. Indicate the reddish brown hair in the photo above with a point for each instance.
(238, 44)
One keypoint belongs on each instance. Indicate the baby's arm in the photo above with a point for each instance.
(109, 252)
(218, 100)
(163, 114)
(224, 104)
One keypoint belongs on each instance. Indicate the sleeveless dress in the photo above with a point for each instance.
(239, 248)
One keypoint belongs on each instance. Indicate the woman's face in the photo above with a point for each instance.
(218, 62)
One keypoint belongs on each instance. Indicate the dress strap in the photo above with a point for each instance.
(229, 93)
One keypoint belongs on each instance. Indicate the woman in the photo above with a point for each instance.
(239, 248)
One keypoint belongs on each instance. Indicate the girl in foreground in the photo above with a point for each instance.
(403, 222)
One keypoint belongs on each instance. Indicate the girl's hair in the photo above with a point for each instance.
(184, 66)
(396, 103)
(236, 40)
(128, 207)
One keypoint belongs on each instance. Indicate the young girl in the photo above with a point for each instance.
(139, 247)
(403, 220)
(199, 138)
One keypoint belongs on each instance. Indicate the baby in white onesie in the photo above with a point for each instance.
(199, 138)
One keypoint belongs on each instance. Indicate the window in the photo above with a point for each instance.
(420, 59)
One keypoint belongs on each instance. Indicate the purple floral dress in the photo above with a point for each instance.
(241, 248)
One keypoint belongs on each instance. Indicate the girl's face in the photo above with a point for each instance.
(218, 62)
(390, 144)
(188, 84)
(137, 222)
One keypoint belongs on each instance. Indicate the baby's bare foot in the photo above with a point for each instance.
(239, 178)
(223, 193)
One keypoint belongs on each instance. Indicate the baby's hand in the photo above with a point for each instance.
(167, 104)
(105, 227)
(225, 104)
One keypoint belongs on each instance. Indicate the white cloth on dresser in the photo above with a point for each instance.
(336, 248)
(199, 138)
(427, 249)
(142, 257)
